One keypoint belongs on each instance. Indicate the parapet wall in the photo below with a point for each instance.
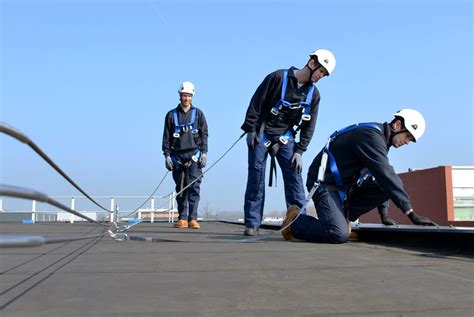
(431, 194)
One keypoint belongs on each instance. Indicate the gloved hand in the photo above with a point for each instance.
(169, 163)
(386, 220)
(202, 160)
(420, 220)
(252, 139)
(297, 161)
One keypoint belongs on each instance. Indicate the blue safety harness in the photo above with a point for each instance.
(195, 158)
(184, 126)
(273, 144)
(332, 161)
(306, 105)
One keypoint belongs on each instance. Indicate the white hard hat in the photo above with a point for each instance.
(186, 87)
(414, 122)
(326, 59)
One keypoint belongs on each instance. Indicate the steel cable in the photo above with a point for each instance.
(202, 174)
(4, 128)
(8, 130)
(19, 192)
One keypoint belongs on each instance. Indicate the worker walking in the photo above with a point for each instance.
(185, 150)
(344, 191)
(285, 103)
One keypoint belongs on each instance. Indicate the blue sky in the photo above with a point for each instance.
(91, 81)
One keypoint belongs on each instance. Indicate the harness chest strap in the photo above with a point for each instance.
(283, 103)
(178, 126)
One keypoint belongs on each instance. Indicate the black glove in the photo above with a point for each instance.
(297, 161)
(386, 220)
(169, 163)
(203, 160)
(420, 220)
(252, 139)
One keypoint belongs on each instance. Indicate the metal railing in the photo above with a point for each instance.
(168, 204)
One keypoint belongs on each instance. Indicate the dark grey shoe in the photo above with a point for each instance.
(251, 231)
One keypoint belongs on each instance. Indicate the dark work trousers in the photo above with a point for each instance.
(255, 191)
(332, 225)
(188, 200)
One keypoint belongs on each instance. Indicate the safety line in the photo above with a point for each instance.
(19, 192)
(210, 167)
(5, 128)
(8, 130)
(12, 191)
(302, 209)
(88, 246)
(202, 174)
(41, 255)
(149, 197)
(5, 291)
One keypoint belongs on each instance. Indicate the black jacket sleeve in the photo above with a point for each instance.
(167, 134)
(257, 110)
(372, 151)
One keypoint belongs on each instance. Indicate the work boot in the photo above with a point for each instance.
(354, 236)
(250, 231)
(181, 224)
(291, 214)
(194, 224)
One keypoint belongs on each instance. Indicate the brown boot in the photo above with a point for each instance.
(291, 214)
(194, 224)
(181, 224)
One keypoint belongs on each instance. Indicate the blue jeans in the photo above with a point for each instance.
(255, 191)
(183, 174)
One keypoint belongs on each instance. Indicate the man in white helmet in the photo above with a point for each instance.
(353, 175)
(185, 150)
(285, 103)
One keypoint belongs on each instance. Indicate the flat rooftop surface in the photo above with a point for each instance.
(207, 272)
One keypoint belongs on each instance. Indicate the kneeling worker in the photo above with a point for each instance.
(345, 192)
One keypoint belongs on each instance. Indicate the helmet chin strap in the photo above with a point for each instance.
(393, 134)
(312, 71)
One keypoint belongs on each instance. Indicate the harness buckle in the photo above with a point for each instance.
(194, 131)
(196, 156)
(274, 111)
(176, 135)
(284, 139)
(306, 117)
(268, 143)
(294, 105)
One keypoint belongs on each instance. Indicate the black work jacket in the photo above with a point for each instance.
(187, 141)
(364, 147)
(266, 97)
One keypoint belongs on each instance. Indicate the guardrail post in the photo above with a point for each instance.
(172, 205)
(33, 211)
(152, 210)
(112, 203)
(73, 206)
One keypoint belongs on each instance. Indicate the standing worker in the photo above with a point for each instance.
(285, 103)
(185, 150)
(343, 190)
